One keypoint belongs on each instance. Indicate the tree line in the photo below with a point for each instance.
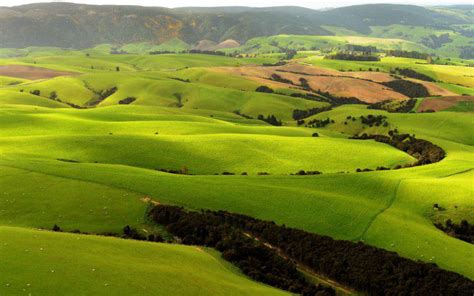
(408, 88)
(463, 231)
(412, 74)
(256, 260)
(353, 57)
(407, 54)
(265, 251)
(424, 151)
(404, 106)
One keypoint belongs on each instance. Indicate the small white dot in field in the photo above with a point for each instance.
(7, 285)
(93, 269)
(28, 285)
(41, 249)
(106, 284)
(52, 270)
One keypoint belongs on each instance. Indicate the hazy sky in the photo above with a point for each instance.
(260, 3)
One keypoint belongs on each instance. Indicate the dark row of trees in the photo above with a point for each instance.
(127, 100)
(463, 231)
(256, 260)
(361, 48)
(408, 88)
(353, 57)
(407, 54)
(127, 233)
(102, 95)
(278, 78)
(301, 114)
(412, 74)
(271, 119)
(364, 268)
(424, 151)
(210, 52)
(404, 106)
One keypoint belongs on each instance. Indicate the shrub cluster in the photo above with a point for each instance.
(408, 88)
(319, 122)
(209, 52)
(405, 106)
(301, 114)
(372, 120)
(424, 151)
(412, 74)
(271, 119)
(254, 258)
(408, 54)
(353, 57)
(364, 268)
(278, 78)
(127, 101)
(463, 231)
(264, 89)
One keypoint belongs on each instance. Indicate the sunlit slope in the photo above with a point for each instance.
(14, 97)
(94, 62)
(224, 147)
(347, 206)
(35, 261)
(306, 42)
(350, 206)
(162, 89)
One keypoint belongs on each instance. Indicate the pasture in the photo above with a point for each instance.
(92, 167)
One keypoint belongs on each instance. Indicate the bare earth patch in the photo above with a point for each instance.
(30, 72)
(341, 84)
(443, 103)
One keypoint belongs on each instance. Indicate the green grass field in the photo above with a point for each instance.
(91, 169)
(34, 261)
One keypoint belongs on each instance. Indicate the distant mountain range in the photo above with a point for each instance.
(80, 26)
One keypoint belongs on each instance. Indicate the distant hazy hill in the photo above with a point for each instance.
(80, 26)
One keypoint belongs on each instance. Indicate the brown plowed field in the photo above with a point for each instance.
(442, 103)
(29, 72)
(341, 84)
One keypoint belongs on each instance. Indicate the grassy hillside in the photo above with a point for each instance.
(91, 265)
(94, 169)
(298, 42)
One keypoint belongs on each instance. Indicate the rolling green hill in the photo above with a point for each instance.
(95, 265)
(126, 130)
